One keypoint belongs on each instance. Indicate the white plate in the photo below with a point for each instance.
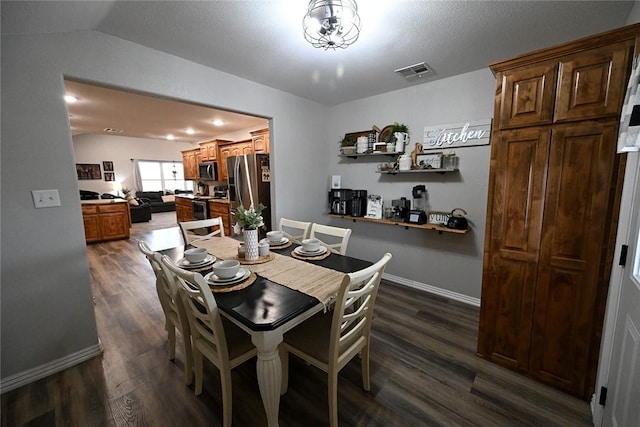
(302, 252)
(209, 259)
(212, 279)
(284, 241)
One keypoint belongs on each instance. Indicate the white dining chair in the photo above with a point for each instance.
(335, 239)
(329, 341)
(174, 313)
(219, 340)
(294, 230)
(187, 226)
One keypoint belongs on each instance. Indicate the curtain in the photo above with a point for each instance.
(629, 134)
(137, 180)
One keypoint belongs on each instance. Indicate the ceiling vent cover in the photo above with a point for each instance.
(112, 130)
(416, 71)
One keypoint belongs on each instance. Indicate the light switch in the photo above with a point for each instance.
(45, 198)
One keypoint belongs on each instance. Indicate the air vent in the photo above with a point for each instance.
(112, 130)
(416, 71)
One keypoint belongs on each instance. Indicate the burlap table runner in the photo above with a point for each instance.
(319, 282)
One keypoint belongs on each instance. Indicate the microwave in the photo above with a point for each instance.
(208, 171)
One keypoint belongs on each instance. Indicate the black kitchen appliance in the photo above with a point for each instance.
(200, 211)
(220, 191)
(359, 203)
(457, 221)
(401, 208)
(340, 201)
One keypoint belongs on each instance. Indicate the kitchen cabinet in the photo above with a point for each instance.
(208, 150)
(260, 140)
(221, 209)
(190, 161)
(184, 209)
(231, 150)
(554, 191)
(106, 220)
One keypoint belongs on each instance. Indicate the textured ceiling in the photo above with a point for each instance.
(262, 40)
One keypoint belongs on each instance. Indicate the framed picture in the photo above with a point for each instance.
(88, 171)
(107, 166)
(109, 176)
(429, 161)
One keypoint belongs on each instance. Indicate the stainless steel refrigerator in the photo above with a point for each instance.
(249, 183)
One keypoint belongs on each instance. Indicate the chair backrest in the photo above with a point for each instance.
(202, 311)
(353, 310)
(203, 223)
(167, 292)
(294, 230)
(334, 238)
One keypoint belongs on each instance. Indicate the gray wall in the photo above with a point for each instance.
(46, 308)
(448, 261)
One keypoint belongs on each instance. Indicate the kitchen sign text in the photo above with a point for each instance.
(457, 135)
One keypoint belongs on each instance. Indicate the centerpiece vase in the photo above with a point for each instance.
(251, 245)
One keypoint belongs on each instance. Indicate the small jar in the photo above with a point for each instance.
(404, 162)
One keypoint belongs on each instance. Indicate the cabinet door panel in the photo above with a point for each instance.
(527, 96)
(592, 85)
(509, 275)
(114, 226)
(91, 228)
(574, 241)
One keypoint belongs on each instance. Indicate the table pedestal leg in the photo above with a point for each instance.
(269, 370)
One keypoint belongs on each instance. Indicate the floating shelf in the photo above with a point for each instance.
(441, 170)
(356, 155)
(439, 228)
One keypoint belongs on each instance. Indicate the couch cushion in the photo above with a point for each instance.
(169, 198)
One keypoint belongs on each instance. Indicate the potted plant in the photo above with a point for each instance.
(348, 144)
(401, 135)
(249, 220)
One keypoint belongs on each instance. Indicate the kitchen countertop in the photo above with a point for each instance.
(199, 197)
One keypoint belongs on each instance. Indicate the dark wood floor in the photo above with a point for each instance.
(424, 371)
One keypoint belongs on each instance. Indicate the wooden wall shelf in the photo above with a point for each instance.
(439, 228)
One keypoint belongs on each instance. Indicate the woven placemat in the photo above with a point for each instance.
(311, 258)
(260, 260)
(218, 289)
(286, 245)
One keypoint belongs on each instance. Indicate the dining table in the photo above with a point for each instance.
(284, 290)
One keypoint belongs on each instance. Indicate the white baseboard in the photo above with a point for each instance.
(432, 289)
(34, 374)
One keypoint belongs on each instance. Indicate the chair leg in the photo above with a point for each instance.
(188, 356)
(284, 362)
(332, 385)
(227, 397)
(197, 360)
(171, 330)
(366, 381)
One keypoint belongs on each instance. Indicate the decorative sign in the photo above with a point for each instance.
(464, 134)
(374, 206)
(88, 171)
(438, 217)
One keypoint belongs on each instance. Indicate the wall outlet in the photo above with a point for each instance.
(45, 198)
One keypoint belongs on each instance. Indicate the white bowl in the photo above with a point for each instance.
(275, 236)
(194, 255)
(226, 269)
(310, 245)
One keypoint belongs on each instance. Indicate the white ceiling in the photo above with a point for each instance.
(262, 40)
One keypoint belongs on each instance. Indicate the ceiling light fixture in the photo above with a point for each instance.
(170, 137)
(218, 123)
(70, 99)
(331, 24)
(190, 131)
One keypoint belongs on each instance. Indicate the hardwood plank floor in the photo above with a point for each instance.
(424, 371)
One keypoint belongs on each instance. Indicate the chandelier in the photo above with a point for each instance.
(332, 24)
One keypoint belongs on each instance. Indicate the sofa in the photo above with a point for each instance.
(156, 201)
(139, 213)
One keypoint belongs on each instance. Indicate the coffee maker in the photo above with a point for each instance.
(401, 208)
(340, 201)
(359, 203)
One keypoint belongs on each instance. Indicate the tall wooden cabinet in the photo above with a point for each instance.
(554, 190)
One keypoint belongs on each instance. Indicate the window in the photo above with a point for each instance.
(160, 176)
